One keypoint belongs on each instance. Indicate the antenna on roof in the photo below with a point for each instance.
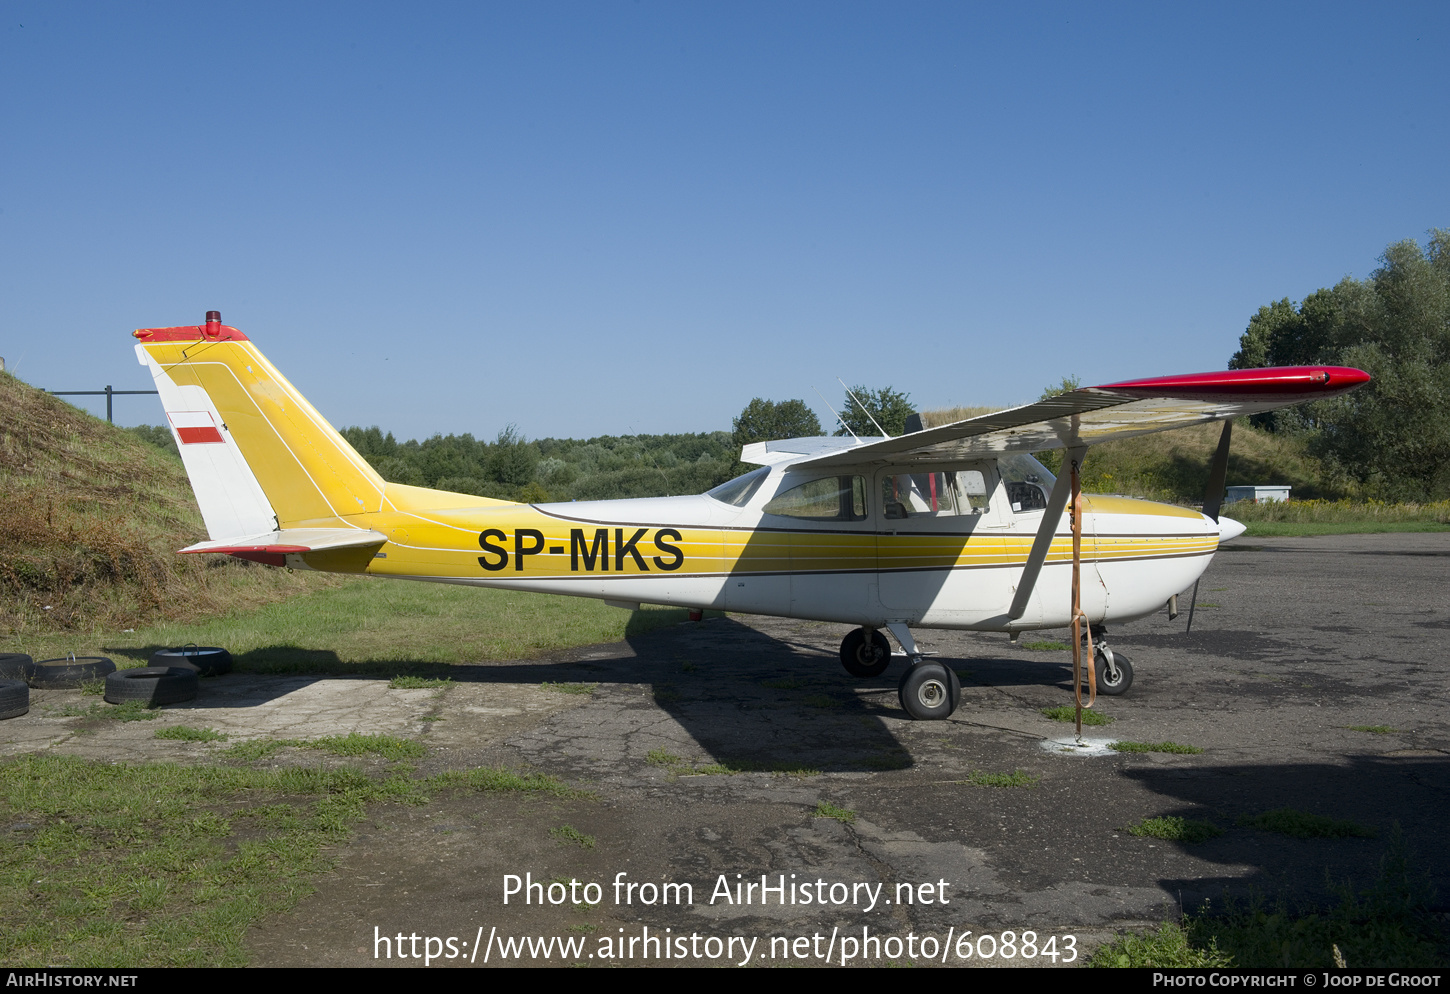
(839, 419)
(864, 408)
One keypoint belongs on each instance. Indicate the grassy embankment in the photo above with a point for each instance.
(1173, 467)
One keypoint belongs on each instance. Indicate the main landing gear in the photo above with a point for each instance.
(928, 690)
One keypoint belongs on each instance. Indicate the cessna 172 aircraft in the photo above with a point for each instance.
(956, 526)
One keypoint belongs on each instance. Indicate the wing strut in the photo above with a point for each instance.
(1050, 517)
(1213, 497)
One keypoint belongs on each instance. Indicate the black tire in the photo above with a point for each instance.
(929, 691)
(14, 698)
(16, 666)
(864, 658)
(71, 672)
(152, 685)
(205, 660)
(1107, 686)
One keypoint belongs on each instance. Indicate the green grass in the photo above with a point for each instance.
(158, 864)
(186, 733)
(1175, 829)
(1374, 729)
(420, 683)
(1386, 925)
(374, 627)
(568, 833)
(679, 766)
(1046, 646)
(127, 711)
(1016, 778)
(569, 688)
(1303, 825)
(1068, 712)
(826, 809)
(1173, 747)
(1338, 517)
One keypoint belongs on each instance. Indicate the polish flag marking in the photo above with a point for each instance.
(193, 427)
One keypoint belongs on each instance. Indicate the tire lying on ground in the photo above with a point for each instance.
(16, 666)
(206, 660)
(152, 685)
(14, 698)
(71, 672)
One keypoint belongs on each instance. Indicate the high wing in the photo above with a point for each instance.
(1104, 413)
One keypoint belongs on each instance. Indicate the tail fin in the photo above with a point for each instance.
(259, 455)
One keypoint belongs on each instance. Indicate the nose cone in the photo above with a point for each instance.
(1229, 528)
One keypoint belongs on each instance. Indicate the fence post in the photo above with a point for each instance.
(108, 404)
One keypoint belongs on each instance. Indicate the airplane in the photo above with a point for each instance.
(950, 527)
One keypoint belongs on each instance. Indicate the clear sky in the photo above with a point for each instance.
(609, 217)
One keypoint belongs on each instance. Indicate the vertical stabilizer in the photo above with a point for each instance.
(259, 455)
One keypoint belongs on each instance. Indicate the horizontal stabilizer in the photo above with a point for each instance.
(272, 547)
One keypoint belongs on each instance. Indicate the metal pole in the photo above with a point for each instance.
(1076, 505)
(108, 404)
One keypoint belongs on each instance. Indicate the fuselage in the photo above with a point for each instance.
(941, 548)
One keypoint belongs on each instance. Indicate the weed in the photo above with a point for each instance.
(569, 688)
(658, 757)
(93, 688)
(1067, 712)
(584, 927)
(1014, 779)
(826, 809)
(1374, 729)
(186, 733)
(1175, 829)
(822, 701)
(1046, 646)
(688, 667)
(249, 752)
(1167, 947)
(568, 833)
(1173, 747)
(1303, 825)
(419, 683)
(500, 779)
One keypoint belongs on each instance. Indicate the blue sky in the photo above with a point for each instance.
(610, 217)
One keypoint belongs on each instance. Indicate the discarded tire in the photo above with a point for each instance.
(16, 666)
(152, 685)
(71, 672)
(204, 659)
(14, 698)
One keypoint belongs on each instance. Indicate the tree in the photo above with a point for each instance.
(766, 421)
(889, 407)
(1068, 385)
(1392, 437)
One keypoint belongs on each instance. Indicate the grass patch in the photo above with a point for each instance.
(1016, 778)
(1374, 729)
(569, 688)
(1303, 825)
(1175, 829)
(568, 833)
(354, 744)
(161, 864)
(659, 757)
(1338, 517)
(420, 683)
(1387, 925)
(185, 733)
(826, 809)
(1046, 646)
(1173, 747)
(127, 711)
(1068, 712)
(822, 701)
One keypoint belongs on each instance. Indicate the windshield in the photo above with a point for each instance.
(739, 490)
(1019, 467)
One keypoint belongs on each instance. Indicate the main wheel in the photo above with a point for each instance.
(1111, 684)
(929, 691)
(863, 657)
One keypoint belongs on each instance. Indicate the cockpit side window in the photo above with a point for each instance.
(940, 494)
(1028, 481)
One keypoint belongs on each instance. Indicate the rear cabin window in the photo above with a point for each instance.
(835, 498)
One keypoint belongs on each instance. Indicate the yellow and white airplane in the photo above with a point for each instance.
(955, 527)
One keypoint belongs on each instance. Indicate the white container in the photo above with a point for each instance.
(1257, 494)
